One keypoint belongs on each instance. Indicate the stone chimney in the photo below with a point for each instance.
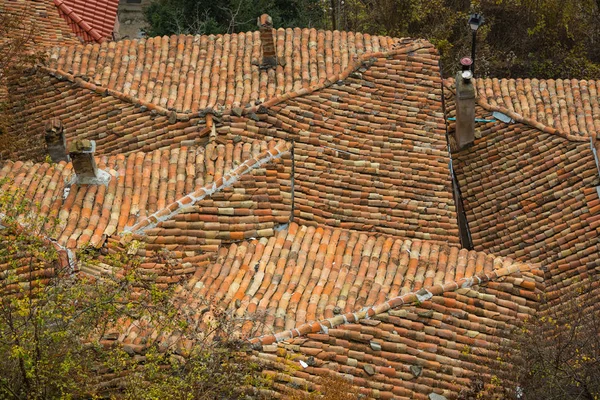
(464, 133)
(269, 58)
(84, 164)
(55, 141)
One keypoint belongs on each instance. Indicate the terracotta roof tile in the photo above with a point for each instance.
(532, 194)
(118, 126)
(370, 149)
(429, 341)
(192, 73)
(141, 186)
(571, 106)
(42, 19)
(305, 274)
(91, 20)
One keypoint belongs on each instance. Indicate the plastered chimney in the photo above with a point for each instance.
(464, 133)
(55, 141)
(84, 164)
(265, 25)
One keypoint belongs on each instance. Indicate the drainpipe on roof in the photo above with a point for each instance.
(595, 153)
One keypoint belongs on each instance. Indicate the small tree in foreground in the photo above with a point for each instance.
(553, 355)
(59, 331)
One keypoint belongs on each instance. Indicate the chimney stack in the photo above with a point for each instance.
(464, 132)
(269, 58)
(84, 164)
(55, 141)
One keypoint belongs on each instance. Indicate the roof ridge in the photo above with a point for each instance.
(422, 294)
(449, 84)
(101, 90)
(414, 45)
(192, 198)
(76, 18)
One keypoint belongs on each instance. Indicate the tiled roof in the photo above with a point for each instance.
(370, 140)
(41, 18)
(118, 126)
(531, 193)
(306, 274)
(370, 146)
(91, 20)
(23, 267)
(142, 187)
(429, 341)
(571, 106)
(192, 73)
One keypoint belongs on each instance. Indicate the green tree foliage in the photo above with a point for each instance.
(553, 355)
(520, 38)
(166, 17)
(59, 329)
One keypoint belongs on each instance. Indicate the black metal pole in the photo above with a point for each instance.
(473, 52)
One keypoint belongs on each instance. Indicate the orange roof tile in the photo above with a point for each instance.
(305, 274)
(192, 73)
(141, 188)
(430, 341)
(571, 106)
(529, 191)
(41, 19)
(91, 20)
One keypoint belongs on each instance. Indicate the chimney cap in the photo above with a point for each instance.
(466, 61)
(265, 21)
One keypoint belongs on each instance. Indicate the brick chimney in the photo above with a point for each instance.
(269, 58)
(55, 141)
(84, 164)
(464, 133)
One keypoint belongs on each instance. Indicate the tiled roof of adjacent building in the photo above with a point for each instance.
(571, 106)
(422, 343)
(63, 22)
(91, 20)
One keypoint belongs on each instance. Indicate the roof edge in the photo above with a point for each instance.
(76, 18)
(423, 294)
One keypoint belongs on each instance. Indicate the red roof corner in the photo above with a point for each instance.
(91, 20)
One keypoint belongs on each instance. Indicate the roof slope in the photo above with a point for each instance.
(306, 274)
(433, 340)
(192, 73)
(41, 20)
(572, 106)
(532, 194)
(141, 186)
(117, 125)
(91, 20)
(370, 146)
